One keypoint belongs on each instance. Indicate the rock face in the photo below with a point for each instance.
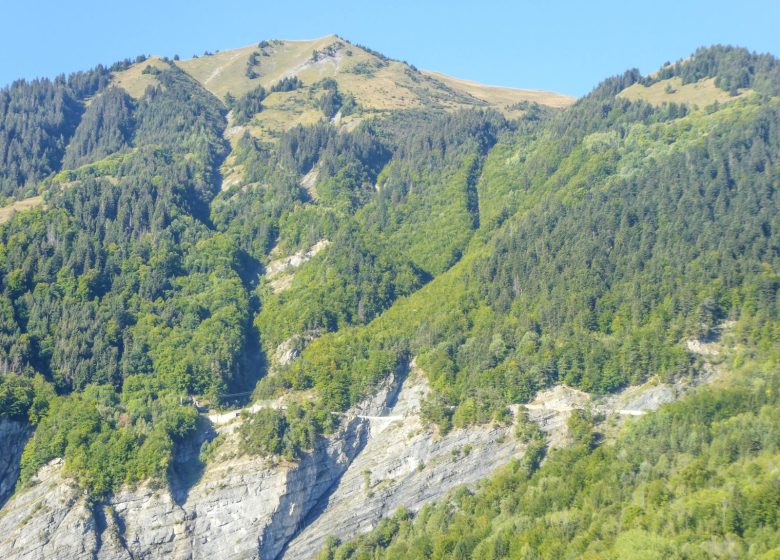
(243, 507)
(13, 438)
(404, 463)
(381, 458)
(279, 272)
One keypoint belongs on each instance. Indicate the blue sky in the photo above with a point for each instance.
(560, 45)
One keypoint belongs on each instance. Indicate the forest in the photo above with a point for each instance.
(579, 246)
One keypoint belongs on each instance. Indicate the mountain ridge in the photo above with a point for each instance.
(226, 71)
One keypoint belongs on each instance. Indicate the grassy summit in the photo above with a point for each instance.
(376, 83)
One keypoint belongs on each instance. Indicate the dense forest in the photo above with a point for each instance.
(579, 246)
(37, 120)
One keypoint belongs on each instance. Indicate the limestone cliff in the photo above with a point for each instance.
(13, 437)
(382, 457)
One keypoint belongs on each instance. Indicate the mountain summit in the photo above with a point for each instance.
(364, 77)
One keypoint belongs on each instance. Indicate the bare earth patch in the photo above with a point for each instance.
(7, 212)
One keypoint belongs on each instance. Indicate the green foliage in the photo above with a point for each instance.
(580, 247)
(286, 433)
(427, 203)
(288, 83)
(732, 67)
(693, 480)
(119, 291)
(331, 100)
(248, 105)
(251, 64)
(24, 398)
(106, 127)
(16, 396)
(37, 119)
(193, 340)
(350, 283)
(181, 116)
(109, 440)
(614, 273)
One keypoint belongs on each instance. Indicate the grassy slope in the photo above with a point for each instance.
(376, 85)
(672, 90)
(7, 212)
(389, 87)
(501, 97)
(134, 81)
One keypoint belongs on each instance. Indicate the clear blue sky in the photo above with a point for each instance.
(561, 45)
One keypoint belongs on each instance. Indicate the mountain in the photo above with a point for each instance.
(299, 300)
(364, 77)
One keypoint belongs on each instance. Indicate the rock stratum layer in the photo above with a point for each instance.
(382, 457)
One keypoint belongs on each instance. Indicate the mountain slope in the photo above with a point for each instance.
(321, 242)
(375, 81)
(502, 98)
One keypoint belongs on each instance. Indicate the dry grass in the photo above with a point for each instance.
(225, 71)
(7, 212)
(222, 72)
(376, 85)
(134, 81)
(501, 97)
(672, 90)
(283, 111)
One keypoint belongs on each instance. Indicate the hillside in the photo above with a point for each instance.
(375, 83)
(299, 300)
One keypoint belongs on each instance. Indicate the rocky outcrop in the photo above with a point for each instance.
(242, 507)
(381, 458)
(405, 463)
(289, 350)
(279, 272)
(13, 438)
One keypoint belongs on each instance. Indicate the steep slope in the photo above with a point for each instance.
(209, 322)
(375, 83)
(696, 479)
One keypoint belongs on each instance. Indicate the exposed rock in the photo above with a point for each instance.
(404, 463)
(279, 271)
(382, 457)
(278, 266)
(244, 507)
(50, 520)
(702, 348)
(552, 407)
(289, 350)
(13, 438)
(309, 182)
